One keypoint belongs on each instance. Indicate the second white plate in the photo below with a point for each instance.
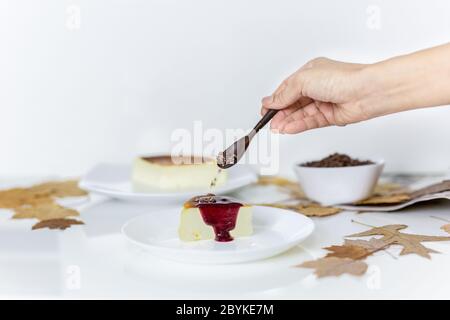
(114, 180)
(275, 231)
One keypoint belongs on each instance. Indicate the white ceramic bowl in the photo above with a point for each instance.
(330, 186)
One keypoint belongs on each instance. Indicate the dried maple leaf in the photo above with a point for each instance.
(13, 198)
(411, 243)
(347, 251)
(274, 180)
(61, 224)
(389, 188)
(310, 210)
(333, 266)
(59, 189)
(387, 193)
(317, 210)
(446, 228)
(38, 201)
(44, 211)
(372, 245)
(45, 192)
(385, 199)
(286, 185)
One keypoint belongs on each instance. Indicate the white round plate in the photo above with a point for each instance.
(114, 180)
(275, 231)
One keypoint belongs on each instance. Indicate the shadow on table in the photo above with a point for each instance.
(29, 261)
(108, 217)
(171, 277)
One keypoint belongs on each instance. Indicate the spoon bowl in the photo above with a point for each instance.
(230, 156)
(234, 153)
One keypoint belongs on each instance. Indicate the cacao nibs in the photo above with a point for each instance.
(336, 160)
(204, 199)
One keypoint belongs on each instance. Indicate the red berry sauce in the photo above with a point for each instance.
(218, 212)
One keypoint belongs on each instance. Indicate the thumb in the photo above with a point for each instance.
(286, 94)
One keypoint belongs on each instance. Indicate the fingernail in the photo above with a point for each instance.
(267, 100)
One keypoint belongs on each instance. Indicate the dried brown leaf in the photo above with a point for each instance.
(61, 224)
(310, 210)
(446, 228)
(17, 197)
(385, 199)
(286, 185)
(371, 245)
(39, 201)
(389, 189)
(347, 251)
(333, 266)
(44, 211)
(411, 243)
(315, 210)
(59, 189)
(45, 192)
(274, 180)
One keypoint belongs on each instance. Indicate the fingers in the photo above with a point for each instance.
(280, 117)
(291, 89)
(332, 85)
(286, 94)
(286, 112)
(307, 118)
(297, 112)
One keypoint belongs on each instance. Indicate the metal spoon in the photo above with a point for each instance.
(234, 153)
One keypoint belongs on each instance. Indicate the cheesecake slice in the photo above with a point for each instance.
(214, 217)
(173, 173)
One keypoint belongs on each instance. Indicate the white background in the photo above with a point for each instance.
(135, 70)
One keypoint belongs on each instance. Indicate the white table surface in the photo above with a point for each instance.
(96, 261)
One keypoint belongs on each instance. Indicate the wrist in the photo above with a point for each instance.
(388, 89)
(407, 82)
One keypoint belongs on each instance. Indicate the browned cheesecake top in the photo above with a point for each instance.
(167, 160)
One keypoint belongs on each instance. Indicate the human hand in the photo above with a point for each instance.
(325, 92)
(322, 93)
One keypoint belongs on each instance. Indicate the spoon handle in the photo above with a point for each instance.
(267, 117)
